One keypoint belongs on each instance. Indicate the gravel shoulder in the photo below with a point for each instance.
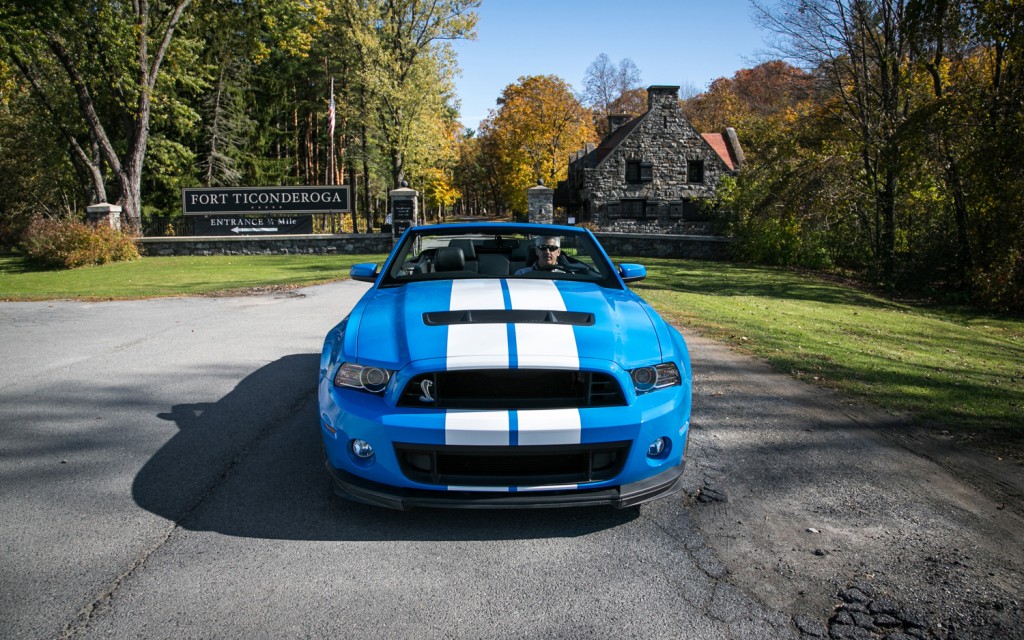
(847, 517)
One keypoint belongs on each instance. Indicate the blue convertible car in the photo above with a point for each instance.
(503, 366)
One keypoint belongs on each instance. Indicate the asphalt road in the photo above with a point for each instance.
(161, 477)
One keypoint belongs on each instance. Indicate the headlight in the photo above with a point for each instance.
(647, 379)
(355, 376)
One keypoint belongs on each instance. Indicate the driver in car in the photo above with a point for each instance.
(548, 249)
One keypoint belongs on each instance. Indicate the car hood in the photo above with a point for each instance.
(488, 323)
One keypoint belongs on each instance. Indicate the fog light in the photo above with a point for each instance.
(361, 449)
(656, 448)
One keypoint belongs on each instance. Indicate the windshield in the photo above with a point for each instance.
(441, 252)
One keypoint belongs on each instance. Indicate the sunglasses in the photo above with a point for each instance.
(548, 247)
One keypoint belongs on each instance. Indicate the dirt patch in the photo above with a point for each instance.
(806, 494)
(277, 289)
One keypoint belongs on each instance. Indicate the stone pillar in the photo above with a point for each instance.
(403, 209)
(540, 203)
(105, 214)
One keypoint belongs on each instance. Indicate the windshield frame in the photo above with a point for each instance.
(603, 273)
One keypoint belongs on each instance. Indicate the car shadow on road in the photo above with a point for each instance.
(251, 465)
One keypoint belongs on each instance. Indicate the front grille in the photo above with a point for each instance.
(511, 466)
(512, 389)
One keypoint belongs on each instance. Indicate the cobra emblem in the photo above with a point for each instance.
(425, 388)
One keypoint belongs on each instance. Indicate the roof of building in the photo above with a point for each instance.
(721, 147)
(717, 141)
(608, 144)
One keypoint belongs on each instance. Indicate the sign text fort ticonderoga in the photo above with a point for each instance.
(263, 200)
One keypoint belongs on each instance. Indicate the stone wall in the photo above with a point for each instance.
(642, 245)
(616, 244)
(353, 243)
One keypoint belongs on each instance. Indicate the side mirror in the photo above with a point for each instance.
(364, 272)
(632, 272)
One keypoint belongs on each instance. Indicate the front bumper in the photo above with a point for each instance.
(555, 457)
(359, 489)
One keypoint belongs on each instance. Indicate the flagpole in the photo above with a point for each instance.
(330, 133)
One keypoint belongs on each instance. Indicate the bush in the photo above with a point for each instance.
(1000, 286)
(779, 241)
(67, 244)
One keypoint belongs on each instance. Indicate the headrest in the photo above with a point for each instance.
(449, 259)
(468, 250)
(523, 250)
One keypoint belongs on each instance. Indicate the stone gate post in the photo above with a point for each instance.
(403, 208)
(104, 213)
(540, 203)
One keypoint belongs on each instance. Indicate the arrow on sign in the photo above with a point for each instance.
(254, 230)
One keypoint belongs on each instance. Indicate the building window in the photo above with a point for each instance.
(687, 209)
(695, 171)
(634, 209)
(637, 171)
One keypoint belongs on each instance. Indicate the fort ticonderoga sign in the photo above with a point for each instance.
(265, 200)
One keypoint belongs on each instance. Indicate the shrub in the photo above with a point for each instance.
(1000, 286)
(67, 244)
(780, 241)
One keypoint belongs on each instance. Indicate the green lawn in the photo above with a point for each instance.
(152, 277)
(952, 369)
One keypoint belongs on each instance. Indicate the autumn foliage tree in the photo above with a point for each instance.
(537, 124)
(887, 146)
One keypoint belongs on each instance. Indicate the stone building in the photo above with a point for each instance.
(650, 173)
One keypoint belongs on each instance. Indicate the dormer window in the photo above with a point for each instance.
(637, 171)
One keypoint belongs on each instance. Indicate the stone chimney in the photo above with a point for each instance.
(661, 96)
(735, 150)
(616, 120)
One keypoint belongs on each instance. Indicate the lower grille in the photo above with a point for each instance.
(511, 466)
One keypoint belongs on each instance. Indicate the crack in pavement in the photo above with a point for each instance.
(102, 600)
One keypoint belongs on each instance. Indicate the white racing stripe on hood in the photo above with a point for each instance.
(487, 345)
(540, 345)
(475, 345)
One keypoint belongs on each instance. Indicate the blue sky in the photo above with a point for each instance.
(672, 42)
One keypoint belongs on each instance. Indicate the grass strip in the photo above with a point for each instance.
(951, 369)
(171, 276)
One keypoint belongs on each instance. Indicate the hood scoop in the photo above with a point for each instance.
(508, 316)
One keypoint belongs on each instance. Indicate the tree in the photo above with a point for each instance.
(608, 87)
(632, 102)
(36, 175)
(753, 101)
(538, 123)
(89, 49)
(400, 44)
(904, 159)
(860, 49)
